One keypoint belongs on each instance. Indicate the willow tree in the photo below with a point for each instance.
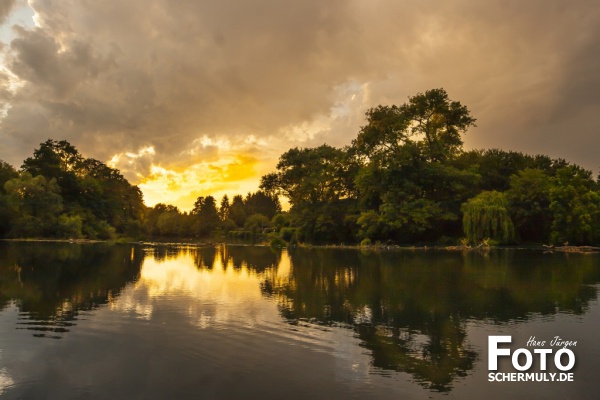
(486, 216)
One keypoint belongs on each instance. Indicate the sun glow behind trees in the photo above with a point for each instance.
(209, 166)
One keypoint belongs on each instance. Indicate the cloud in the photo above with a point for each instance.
(6, 7)
(197, 81)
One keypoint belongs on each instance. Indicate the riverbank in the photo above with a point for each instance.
(78, 241)
(374, 247)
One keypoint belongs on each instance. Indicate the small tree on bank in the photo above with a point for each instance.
(486, 216)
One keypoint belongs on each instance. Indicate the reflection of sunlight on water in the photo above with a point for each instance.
(284, 269)
(363, 315)
(180, 276)
(129, 305)
(174, 291)
(5, 380)
(208, 296)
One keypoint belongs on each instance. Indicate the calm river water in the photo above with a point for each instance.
(101, 321)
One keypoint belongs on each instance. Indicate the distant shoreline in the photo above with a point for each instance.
(375, 247)
(78, 241)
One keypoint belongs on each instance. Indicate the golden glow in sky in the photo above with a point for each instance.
(230, 175)
(207, 168)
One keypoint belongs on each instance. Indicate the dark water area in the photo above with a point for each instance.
(100, 321)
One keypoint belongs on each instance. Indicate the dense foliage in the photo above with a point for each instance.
(59, 193)
(405, 178)
(206, 219)
(486, 216)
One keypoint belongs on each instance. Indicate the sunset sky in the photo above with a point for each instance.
(191, 98)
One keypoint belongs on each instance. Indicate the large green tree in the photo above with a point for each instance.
(57, 160)
(108, 195)
(439, 121)
(94, 196)
(319, 183)
(407, 175)
(91, 189)
(429, 120)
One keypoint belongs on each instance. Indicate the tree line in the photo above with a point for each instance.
(404, 179)
(407, 179)
(247, 217)
(58, 193)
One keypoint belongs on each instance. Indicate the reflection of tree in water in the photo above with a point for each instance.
(52, 282)
(255, 258)
(204, 257)
(166, 251)
(434, 356)
(410, 308)
(513, 285)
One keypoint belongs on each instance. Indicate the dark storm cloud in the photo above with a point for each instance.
(129, 75)
(39, 60)
(115, 77)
